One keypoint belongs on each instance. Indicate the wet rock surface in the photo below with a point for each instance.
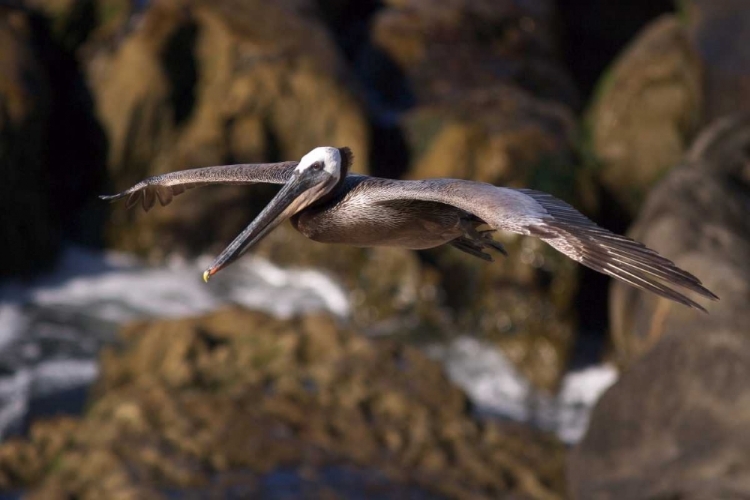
(238, 394)
(674, 425)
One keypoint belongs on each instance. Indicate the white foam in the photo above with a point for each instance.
(487, 376)
(57, 375)
(579, 393)
(14, 399)
(496, 387)
(119, 290)
(12, 321)
(130, 293)
(310, 290)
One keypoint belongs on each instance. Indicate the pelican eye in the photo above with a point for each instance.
(318, 165)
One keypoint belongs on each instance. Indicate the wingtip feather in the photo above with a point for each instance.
(573, 234)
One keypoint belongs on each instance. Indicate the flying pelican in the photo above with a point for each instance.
(328, 204)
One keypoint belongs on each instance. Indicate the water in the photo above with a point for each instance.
(52, 328)
(496, 388)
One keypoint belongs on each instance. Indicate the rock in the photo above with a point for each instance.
(719, 32)
(646, 111)
(697, 216)
(447, 49)
(188, 84)
(184, 402)
(31, 232)
(501, 135)
(675, 424)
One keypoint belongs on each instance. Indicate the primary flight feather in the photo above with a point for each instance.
(328, 204)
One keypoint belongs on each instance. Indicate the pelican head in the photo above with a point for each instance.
(316, 175)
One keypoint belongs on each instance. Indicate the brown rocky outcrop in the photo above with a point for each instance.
(183, 402)
(186, 84)
(447, 49)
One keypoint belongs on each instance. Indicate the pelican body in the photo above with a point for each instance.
(328, 204)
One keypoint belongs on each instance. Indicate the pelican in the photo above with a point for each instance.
(328, 204)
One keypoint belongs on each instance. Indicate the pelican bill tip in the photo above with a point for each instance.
(206, 275)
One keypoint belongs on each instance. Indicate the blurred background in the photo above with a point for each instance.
(314, 371)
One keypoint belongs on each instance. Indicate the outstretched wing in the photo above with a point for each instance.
(534, 213)
(165, 187)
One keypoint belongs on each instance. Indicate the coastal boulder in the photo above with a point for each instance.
(442, 50)
(697, 216)
(675, 424)
(646, 110)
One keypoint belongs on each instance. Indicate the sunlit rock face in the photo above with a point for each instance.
(647, 108)
(189, 84)
(182, 402)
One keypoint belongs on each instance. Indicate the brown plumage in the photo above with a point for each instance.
(328, 204)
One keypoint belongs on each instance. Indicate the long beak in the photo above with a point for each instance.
(297, 193)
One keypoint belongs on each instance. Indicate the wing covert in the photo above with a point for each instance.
(163, 188)
(534, 213)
